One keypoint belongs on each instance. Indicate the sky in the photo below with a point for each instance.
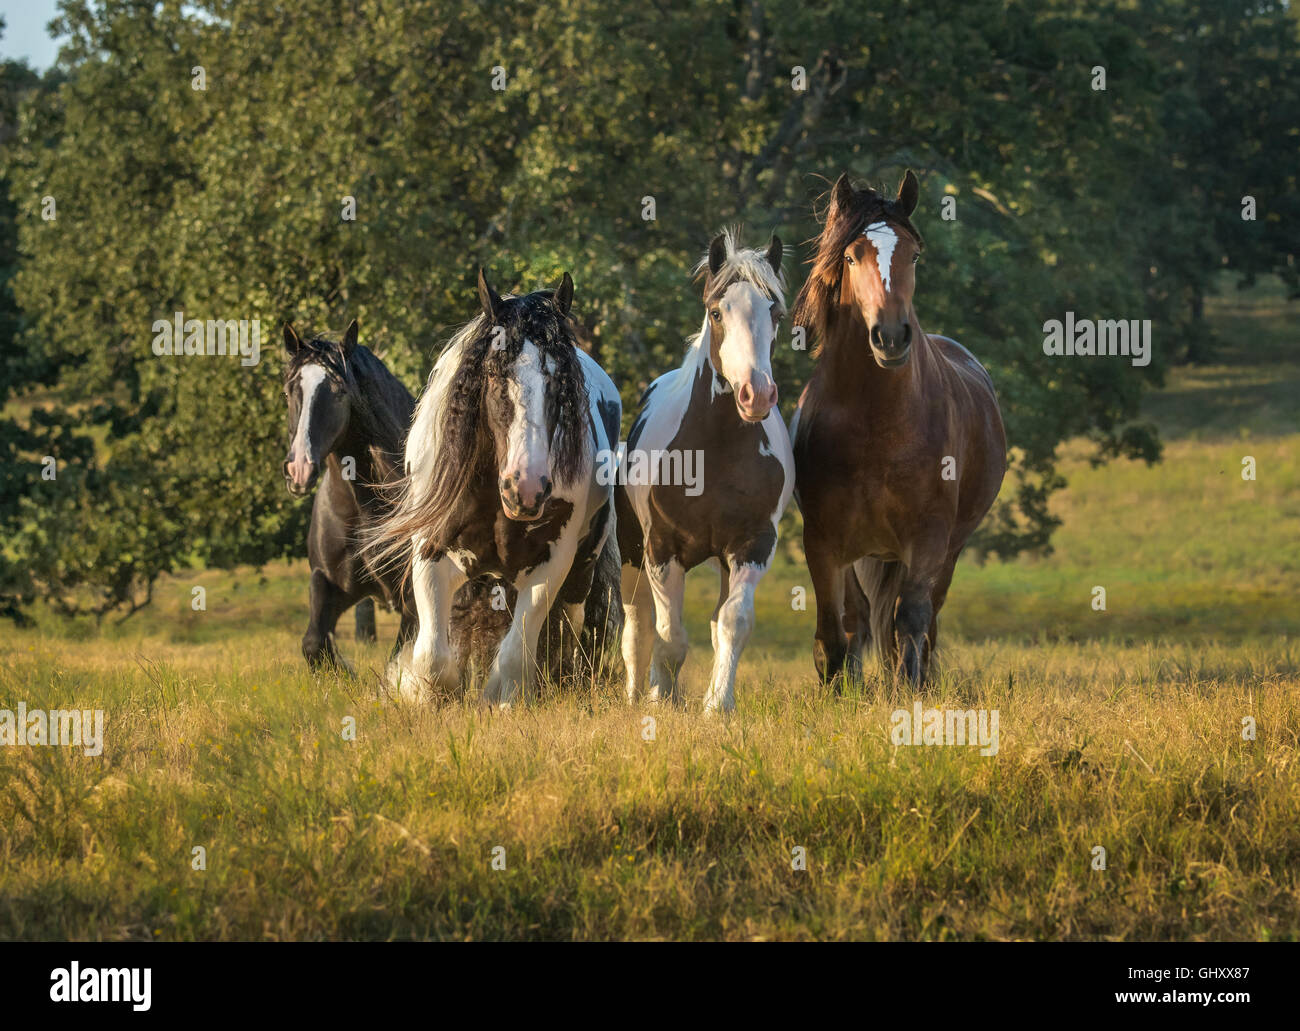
(24, 32)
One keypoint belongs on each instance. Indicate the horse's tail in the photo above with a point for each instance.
(605, 601)
(878, 585)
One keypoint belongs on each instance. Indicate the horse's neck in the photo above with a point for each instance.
(718, 412)
(356, 444)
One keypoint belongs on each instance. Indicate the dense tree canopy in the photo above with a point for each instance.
(228, 202)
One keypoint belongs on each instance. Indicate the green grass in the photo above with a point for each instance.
(1120, 729)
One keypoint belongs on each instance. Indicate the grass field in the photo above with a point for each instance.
(1120, 729)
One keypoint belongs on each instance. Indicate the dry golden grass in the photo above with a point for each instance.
(690, 835)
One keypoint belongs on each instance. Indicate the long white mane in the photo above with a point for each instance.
(425, 439)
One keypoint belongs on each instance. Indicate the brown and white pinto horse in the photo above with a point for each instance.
(898, 442)
(719, 406)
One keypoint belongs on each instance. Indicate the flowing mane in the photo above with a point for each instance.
(449, 426)
(816, 306)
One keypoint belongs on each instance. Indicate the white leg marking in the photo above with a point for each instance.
(735, 624)
(668, 585)
(431, 662)
(638, 628)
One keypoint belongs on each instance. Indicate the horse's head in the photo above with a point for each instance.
(744, 301)
(878, 249)
(319, 403)
(533, 401)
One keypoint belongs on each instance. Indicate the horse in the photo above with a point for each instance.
(502, 477)
(899, 445)
(348, 416)
(719, 405)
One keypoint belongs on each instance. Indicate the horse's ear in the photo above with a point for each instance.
(564, 294)
(291, 341)
(908, 193)
(717, 253)
(350, 339)
(487, 297)
(774, 251)
(841, 196)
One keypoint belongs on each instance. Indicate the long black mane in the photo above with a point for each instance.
(464, 448)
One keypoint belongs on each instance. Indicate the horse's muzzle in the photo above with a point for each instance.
(300, 477)
(753, 405)
(891, 345)
(513, 501)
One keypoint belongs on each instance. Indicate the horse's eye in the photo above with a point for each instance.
(849, 259)
(715, 315)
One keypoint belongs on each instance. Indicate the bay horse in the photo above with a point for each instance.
(898, 441)
(502, 478)
(348, 417)
(720, 405)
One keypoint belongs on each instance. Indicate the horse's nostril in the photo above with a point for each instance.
(907, 333)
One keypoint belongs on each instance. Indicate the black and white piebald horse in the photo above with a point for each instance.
(348, 417)
(502, 477)
(716, 416)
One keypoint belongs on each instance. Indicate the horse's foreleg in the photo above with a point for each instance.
(327, 603)
(514, 670)
(830, 646)
(938, 595)
(638, 628)
(406, 630)
(912, 626)
(724, 589)
(433, 663)
(668, 585)
(735, 622)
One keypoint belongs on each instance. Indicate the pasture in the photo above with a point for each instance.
(1120, 729)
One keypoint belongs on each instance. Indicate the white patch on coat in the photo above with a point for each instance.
(884, 239)
(527, 442)
(747, 344)
(311, 380)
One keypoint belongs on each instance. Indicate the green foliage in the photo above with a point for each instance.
(227, 203)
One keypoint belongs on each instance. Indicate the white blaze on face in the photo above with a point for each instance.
(884, 239)
(311, 381)
(527, 443)
(746, 352)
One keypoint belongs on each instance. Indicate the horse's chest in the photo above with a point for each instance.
(489, 542)
(717, 494)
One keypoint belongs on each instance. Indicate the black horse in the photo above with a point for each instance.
(349, 417)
